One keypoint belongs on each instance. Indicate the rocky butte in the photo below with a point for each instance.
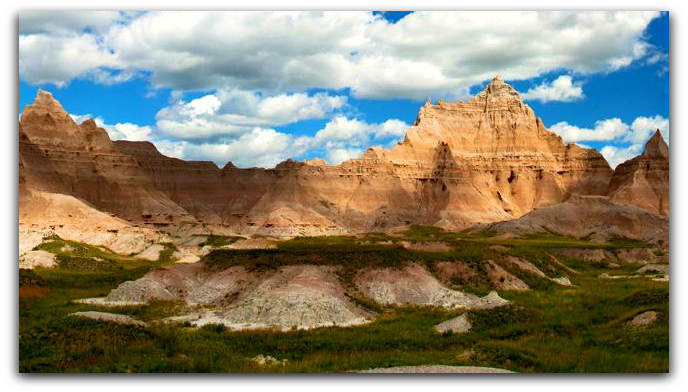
(644, 180)
(461, 164)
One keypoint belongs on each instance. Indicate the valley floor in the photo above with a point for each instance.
(582, 327)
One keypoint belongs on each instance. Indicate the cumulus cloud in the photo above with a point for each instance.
(626, 140)
(343, 138)
(442, 53)
(644, 127)
(344, 130)
(609, 129)
(616, 155)
(262, 67)
(119, 131)
(235, 125)
(391, 128)
(129, 131)
(339, 140)
(260, 147)
(236, 112)
(61, 22)
(339, 155)
(58, 59)
(561, 89)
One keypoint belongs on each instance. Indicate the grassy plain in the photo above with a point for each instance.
(581, 328)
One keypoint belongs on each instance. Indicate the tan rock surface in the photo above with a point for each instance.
(454, 272)
(458, 324)
(581, 216)
(485, 160)
(151, 253)
(503, 279)
(644, 180)
(300, 297)
(29, 239)
(42, 214)
(111, 317)
(644, 319)
(637, 255)
(37, 258)
(527, 266)
(654, 268)
(414, 285)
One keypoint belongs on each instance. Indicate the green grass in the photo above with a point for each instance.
(28, 277)
(622, 242)
(219, 240)
(345, 256)
(581, 328)
(166, 255)
(73, 249)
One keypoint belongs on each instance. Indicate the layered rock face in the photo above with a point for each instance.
(489, 159)
(644, 180)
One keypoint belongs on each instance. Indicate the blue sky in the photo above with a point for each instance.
(257, 88)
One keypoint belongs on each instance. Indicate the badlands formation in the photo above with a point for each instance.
(461, 164)
(485, 164)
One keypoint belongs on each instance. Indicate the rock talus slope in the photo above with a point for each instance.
(594, 216)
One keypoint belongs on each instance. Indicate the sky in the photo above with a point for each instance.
(256, 88)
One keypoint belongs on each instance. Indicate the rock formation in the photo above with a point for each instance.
(644, 180)
(594, 216)
(486, 160)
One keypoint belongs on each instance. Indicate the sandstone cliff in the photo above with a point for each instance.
(644, 180)
(486, 160)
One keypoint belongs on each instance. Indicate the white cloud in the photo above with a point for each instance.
(60, 22)
(627, 141)
(129, 131)
(208, 104)
(343, 138)
(391, 128)
(284, 109)
(615, 155)
(339, 140)
(609, 129)
(343, 130)
(440, 53)
(57, 59)
(110, 77)
(339, 155)
(79, 118)
(260, 147)
(119, 131)
(561, 89)
(356, 132)
(174, 148)
(235, 112)
(644, 127)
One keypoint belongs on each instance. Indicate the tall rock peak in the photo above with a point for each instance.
(644, 180)
(45, 100)
(656, 146)
(46, 123)
(485, 160)
(500, 91)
